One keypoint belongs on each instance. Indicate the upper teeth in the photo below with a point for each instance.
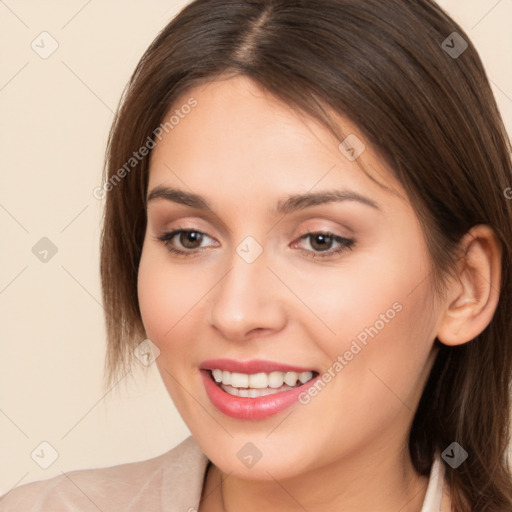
(260, 380)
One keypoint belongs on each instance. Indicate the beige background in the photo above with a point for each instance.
(55, 114)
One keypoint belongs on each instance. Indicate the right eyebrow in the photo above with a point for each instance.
(179, 196)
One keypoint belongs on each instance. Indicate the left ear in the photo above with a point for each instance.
(472, 298)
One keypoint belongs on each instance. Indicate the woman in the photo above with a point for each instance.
(307, 222)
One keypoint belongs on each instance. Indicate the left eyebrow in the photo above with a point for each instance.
(301, 201)
(285, 206)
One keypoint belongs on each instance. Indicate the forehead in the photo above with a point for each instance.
(238, 135)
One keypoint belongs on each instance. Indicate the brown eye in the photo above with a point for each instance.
(324, 245)
(190, 239)
(184, 242)
(321, 241)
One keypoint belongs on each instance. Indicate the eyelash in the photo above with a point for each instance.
(345, 243)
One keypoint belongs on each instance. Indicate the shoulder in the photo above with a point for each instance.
(170, 481)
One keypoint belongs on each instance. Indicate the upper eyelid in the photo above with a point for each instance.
(205, 216)
(212, 218)
(223, 228)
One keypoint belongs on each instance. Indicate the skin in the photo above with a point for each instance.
(243, 150)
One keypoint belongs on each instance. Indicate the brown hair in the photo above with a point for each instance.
(434, 120)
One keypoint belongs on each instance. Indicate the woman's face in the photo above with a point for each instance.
(275, 277)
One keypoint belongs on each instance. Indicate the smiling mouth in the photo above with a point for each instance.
(260, 384)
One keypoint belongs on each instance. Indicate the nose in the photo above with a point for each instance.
(247, 300)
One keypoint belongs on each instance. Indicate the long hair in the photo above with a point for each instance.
(408, 76)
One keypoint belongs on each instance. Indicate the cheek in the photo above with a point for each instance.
(167, 300)
(375, 367)
(375, 314)
(165, 297)
(369, 290)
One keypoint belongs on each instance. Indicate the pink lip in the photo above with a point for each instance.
(252, 408)
(253, 366)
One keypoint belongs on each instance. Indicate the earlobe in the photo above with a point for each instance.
(472, 298)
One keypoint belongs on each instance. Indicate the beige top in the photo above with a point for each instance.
(171, 482)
